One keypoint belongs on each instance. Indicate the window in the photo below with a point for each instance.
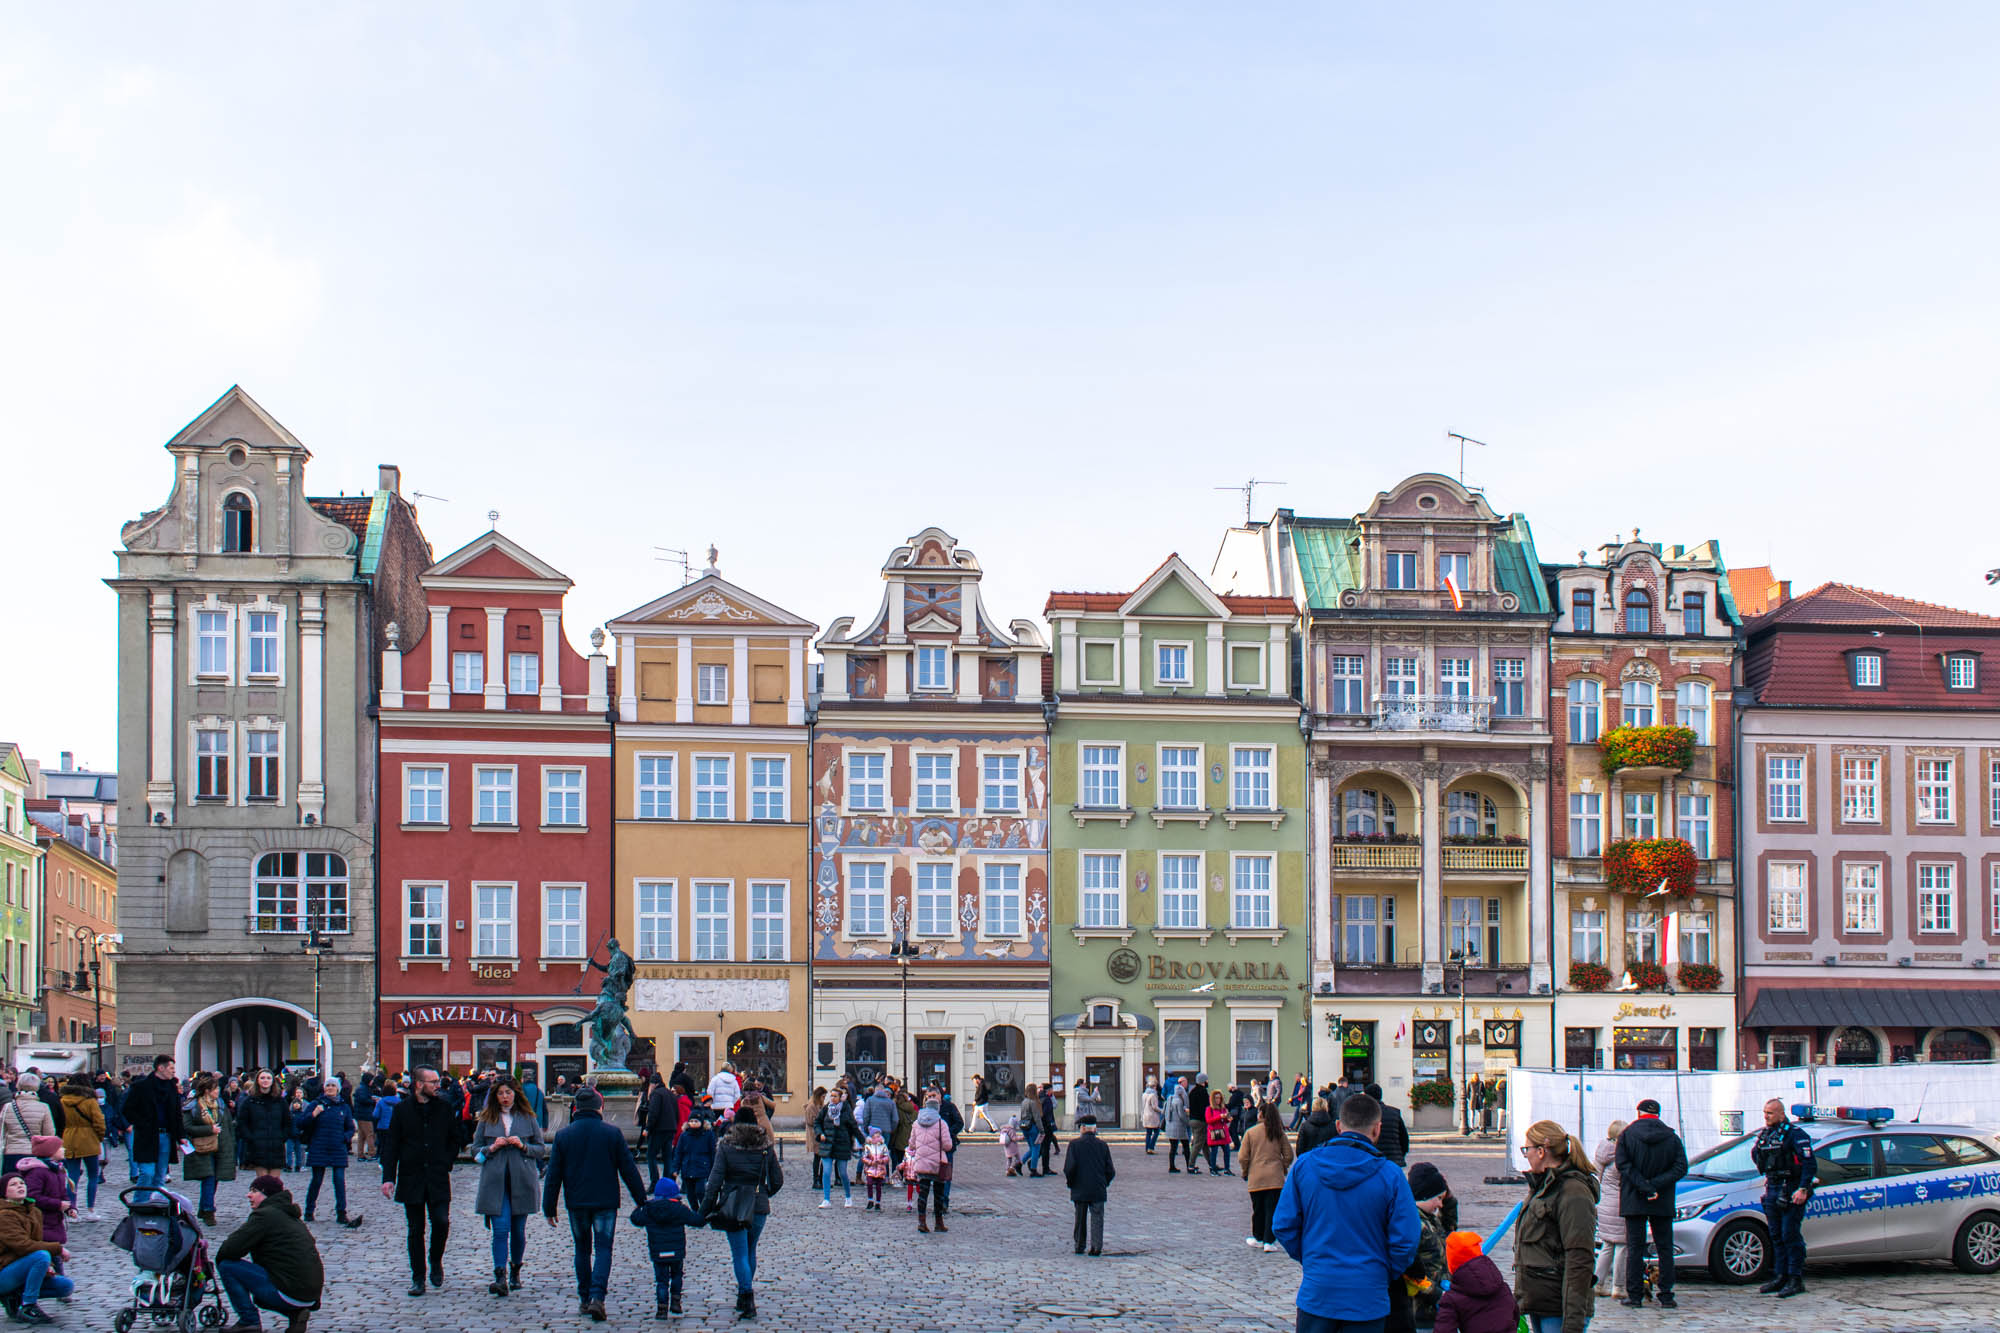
(1246, 666)
(867, 898)
(1253, 903)
(562, 921)
(1463, 919)
(1785, 896)
(1000, 783)
(934, 898)
(1347, 677)
(423, 920)
(934, 792)
(1638, 612)
(1697, 937)
(1171, 665)
(1455, 677)
(1691, 709)
(1993, 901)
(262, 763)
(493, 915)
(1586, 937)
(1457, 567)
(1694, 825)
(713, 786)
(1638, 710)
(1934, 791)
(1993, 793)
(1363, 811)
(866, 787)
(655, 903)
(211, 765)
(1180, 777)
(656, 786)
(1785, 788)
(562, 797)
(1399, 569)
(1642, 814)
(238, 525)
(1250, 769)
(1642, 936)
(1861, 899)
(296, 891)
(711, 683)
(933, 666)
(1586, 823)
(1253, 1049)
(1103, 893)
(1961, 672)
(1867, 669)
(712, 903)
(1180, 892)
(767, 788)
(211, 637)
(1360, 941)
(760, 1055)
(1913, 1154)
(1103, 777)
(1694, 613)
(1582, 607)
(1399, 676)
(1000, 886)
(1860, 789)
(496, 795)
(468, 673)
(263, 627)
(1937, 899)
(1469, 815)
(767, 922)
(1510, 687)
(1583, 711)
(524, 673)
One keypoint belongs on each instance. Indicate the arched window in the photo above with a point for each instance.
(1006, 1063)
(301, 891)
(1638, 612)
(1366, 811)
(1691, 709)
(1856, 1046)
(238, 524)
(1640, 698)
(1960, 1044)
(759, 1053)
(1468, 815)
(1583, 711)
(867, 1057)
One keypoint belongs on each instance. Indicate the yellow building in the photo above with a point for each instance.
(712, 872)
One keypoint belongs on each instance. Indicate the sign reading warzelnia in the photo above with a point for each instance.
(1166, 969)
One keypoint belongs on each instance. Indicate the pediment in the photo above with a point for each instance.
(1174, 590)
(236, 416)
(932, 624)
(714, 602)
(1430, 496)
(494, 556)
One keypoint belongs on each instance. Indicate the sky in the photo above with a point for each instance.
(801, 280)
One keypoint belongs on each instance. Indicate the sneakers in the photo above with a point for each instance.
(675, 1304)
(1667, 1301)
(662, 1312)
(847, 1203)
(1252, 1240)
(243, 1326)
(1270, 1248)
(33, 1314)
(826, 1203)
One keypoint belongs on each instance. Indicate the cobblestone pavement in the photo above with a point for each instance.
(1175, 1259)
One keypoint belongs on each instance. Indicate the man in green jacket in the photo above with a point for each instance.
(271, 1261)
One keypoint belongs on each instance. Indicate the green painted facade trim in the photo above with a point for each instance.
(20, 859)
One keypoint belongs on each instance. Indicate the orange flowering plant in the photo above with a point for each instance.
(1637, 865)
(1646, 747)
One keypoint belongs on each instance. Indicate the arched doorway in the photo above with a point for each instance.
(1856, 1046)
(1956, 1045)
(867, 1057)
(1006, 1066)
(251, 1031)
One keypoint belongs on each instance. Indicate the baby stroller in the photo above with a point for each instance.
(174, 1282)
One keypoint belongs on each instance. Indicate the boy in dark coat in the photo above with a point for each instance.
(694, 1155)
(666, 1218)
(1479, 1300)
(1088, 1172)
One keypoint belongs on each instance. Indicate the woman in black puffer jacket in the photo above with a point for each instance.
(263, 1123)
(745, 1163)
(1318, 1128)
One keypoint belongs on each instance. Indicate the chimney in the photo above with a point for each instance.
(389, 477)
(1781, 592)
(68, 761)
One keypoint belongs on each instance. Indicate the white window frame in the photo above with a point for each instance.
(1198, 892)
(1398, 683)
(251, 759)
(550, 790)
(1186, 649)
(528, 681)
(1943, 889)
(1455, 564)
(274, 642)
(987, 805)
(1937, 798)
(849, 785)
(1631, 710)
(1234, 646)
(783, 789)
(1697, 931)
(1694, 708)
(1253, 894)
(938, 653)
(1694, 824)
(1961, 671)
(1510, 686)
(428, 921)
(664, 890)
(1399, 571)
(711, 683)
(1785, 908)
(1784, 790)
(481, 921)
(1993, 794)
(1860, 790)
(1239, 770)
(1861, 888)
(226, 755)
(1586, 816)
(850, 894)
(1993, 899)
(698, 918)
(1454, 677)
(512, 790)
(549, 890)
(987, 894)
(1112, 773)
(1642, 811)
(1115, 654)
(768, 921)
(467, 681)
(443, 790)
(922, 787)
(925, 894)
(641, 788)
(1200, 776)
(1100, 905)
(1588, 923)
(697, 789)
(1364, 926)
(1585, 699)
(1867, 671)
(1348, 674)
(222, 636)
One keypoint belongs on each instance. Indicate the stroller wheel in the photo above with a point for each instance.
(122, 1321)
(211, 1316)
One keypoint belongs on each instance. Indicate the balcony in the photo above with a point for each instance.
(1374, 856)
(1486, 860)
(1433, 712)
(1353, 979)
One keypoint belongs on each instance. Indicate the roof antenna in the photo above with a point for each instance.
(674, 555)
(420, 495)
(1249, 488)
(1464, 440)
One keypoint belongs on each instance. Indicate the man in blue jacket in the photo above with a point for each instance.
(1346, 1214)
(589, 1160)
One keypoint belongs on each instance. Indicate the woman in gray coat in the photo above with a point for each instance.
(1179, 1134)
(507, 1142)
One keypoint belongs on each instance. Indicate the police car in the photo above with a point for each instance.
(1888, 1189)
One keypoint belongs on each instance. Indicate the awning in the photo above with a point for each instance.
(1871, 1006)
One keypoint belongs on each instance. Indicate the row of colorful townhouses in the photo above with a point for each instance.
(1384, 795)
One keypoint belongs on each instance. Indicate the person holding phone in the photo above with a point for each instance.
(507, 1143)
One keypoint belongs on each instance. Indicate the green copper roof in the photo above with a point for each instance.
(1329, 564)
(1518, 568)
(371, 548)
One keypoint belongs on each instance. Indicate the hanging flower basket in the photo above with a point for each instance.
(1589, 976)
(1646, 747)
(1637, 865)
(1649, 976)
(1699, 976)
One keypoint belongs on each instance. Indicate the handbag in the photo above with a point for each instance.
(210, 1141)
(944, 1169)
(737, 1206)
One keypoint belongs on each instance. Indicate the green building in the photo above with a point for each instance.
(1178, 840)
(19, 857)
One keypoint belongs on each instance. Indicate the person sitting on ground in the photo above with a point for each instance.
(1479, 1300)
(666, 1218)
(25, 1257)
(271, 1261)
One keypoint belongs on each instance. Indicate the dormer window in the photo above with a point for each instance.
(1867, 671)
(1638, 612)
(1694, 613)
(933, 666)
(1399, 569)
(1103, 1016)
(1581, 611)
(238, 525)
(1961, 671)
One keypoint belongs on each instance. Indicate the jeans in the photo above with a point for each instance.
(1034, 1150)
(591, 1229)
(76, 1167)
(312, 1190)
(155, 1171)
(1214, 1148)
(743, 1251)
(439, 1213)
(1298, 1116)
(248, 1286)
(1089, 1225)
(1635, 1262)
(1788, 1247)
(666, 1279)
(1152, 1139)
(208, 1194)
(510, 1234)
(1548, 1323)
(1313, 1323)
(295, 1153)
(30, 1274)
(836, 1174)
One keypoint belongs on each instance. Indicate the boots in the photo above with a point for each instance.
(938, 1225)
(1777, 1280)
(514, 1276)
(922, 1225)
(207, 1217)
(674, 1306)
(498, 1286)
(350, 1222)
(1794, 1286)
(749, 1310)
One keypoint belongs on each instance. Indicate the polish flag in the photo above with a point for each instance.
(1670, 947)
(1401, 1028)
(1457, 597)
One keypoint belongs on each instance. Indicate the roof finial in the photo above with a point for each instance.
(1635, 532)
(712, 571)
(492, 519)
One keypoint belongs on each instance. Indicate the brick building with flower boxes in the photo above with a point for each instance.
(1642, 660)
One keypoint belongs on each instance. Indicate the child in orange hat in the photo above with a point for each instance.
(1479, 1300)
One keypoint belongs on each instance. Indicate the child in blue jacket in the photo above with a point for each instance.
(694, 1155)
(666, 1219)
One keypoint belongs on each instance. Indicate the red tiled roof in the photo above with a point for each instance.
(1845, 604)
(1111, 601)
(1787, 668)
(1259, 606)
(1751, 590)
(350, 511)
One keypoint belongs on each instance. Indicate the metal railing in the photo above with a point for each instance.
(1433, 712)
(1486, 858)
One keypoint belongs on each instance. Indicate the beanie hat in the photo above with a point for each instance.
(664, 1188)
(1426, 1182)
(44, 1145)
(1649, 1107)
(1458, 1247)
(268, 1185)
(1083, 1120)
(587, 1099)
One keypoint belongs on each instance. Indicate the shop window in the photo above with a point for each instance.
(1180, 1048)
(867, 1057)
(1960, 1044)
(1006, 1067)
(1856, 1046)
(1253, 1050)
(1645, 1048)
(424, 1051)
(759, 1053)
(1787, 1052)
(494, 1053)
(1704, 1047)
(1580, 1049)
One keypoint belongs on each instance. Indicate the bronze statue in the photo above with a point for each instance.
(611, 1034)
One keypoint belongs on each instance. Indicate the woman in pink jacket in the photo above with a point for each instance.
(929, 1156)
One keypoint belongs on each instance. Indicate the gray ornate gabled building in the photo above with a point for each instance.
(250, 616)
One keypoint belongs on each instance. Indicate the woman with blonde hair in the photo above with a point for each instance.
(1609, 1224)
(1555, 1240)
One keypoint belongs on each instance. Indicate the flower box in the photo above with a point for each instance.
(1589, 976)
(1648, 976)
(1646, 747)
(1638, 865)
(1437, 1092)
(1699, 976)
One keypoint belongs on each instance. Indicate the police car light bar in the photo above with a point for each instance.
(1874, 1115)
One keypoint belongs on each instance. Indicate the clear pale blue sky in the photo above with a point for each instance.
(804, 279)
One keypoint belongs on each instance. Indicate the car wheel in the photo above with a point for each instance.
(1977, 1249)
(1739, 1253)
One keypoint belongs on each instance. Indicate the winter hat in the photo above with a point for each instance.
(267, 1185)
(44, 1145)
(1649, 1107)
(874, 1133)
(664, 1188)
(1426, 1182)
(587, 1099)
(1458, 1247)
(1083, 1120)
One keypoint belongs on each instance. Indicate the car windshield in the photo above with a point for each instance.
(1725, 1162)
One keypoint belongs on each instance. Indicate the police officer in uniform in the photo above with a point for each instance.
(1785, 1155)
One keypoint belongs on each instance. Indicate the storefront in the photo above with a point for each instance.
(1688, 1031)
(701, 1015)
(1397, 1044)
(459, 1037)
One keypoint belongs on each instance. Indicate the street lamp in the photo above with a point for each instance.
(319, 946)
(1469, 953)
(90, 977)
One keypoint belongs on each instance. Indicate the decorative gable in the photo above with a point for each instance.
(712, 601)
(1174, 590)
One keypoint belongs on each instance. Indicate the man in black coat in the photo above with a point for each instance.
(1088, 1172)
(153, 1109)
(417, 1152)
(662, 1120)
(588, 1161)
(1394, 1141)
(1651, 1158)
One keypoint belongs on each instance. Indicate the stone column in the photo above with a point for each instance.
(795, 670)
(312, 692)
(1541, 887)
(496, 657)
(440, 635)
(628, 680)
(1431, 908)
(684, 679)
(551, 660)
(160, 732)
(739, 681)
(1217, 679)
